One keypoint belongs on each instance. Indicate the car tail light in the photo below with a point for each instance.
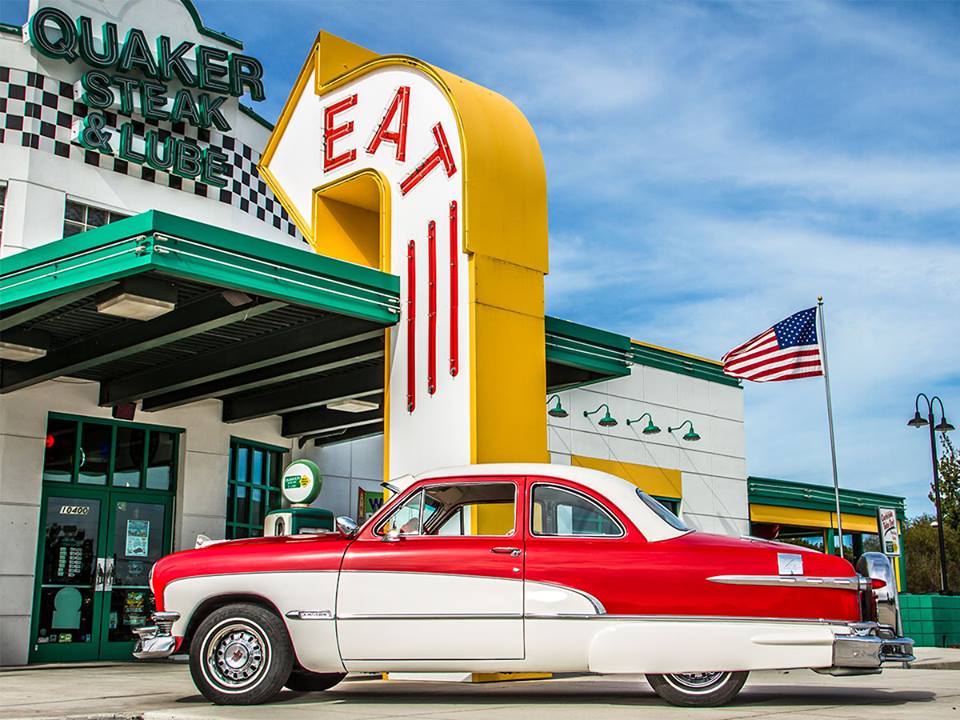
(877, 583)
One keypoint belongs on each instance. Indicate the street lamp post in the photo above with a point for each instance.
(943, 426)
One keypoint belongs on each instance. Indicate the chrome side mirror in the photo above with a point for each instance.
(347, 525)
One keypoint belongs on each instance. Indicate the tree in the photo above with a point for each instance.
(921, 550)
(949, 467)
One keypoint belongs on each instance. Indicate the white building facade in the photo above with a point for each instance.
(170, 342)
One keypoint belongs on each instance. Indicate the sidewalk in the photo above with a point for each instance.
(164, 691)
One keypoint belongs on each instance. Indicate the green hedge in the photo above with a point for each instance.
(931, 620)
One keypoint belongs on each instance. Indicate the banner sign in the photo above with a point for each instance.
(889, 531)
(132, 74)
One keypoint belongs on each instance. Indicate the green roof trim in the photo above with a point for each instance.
(808, 496)
(204, 30)
(678, 362)
(11, 29)
(587, 348)
(257, 117)
(178, 247)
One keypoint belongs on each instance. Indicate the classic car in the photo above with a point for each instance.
(518, 568)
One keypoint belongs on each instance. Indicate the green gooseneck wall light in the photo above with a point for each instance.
(557, 410)
(650, 429)
(607, 420)
(691, 434)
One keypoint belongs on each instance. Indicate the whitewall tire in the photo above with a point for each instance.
(241, 655)
(704, 689)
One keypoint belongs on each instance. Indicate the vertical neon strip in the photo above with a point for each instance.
(411, 326)
(454, 293)
(432, 308)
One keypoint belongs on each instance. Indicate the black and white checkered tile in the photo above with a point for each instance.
(40, 112)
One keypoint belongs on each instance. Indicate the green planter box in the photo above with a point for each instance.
(931, 620)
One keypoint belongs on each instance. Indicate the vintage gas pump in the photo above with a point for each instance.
(301, 485)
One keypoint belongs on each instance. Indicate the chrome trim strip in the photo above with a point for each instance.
(835, 583)
(429, 616)
(686, 618)
(309, 615)
(597, 605)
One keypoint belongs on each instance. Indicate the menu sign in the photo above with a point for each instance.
(889, 531)
(133, 74)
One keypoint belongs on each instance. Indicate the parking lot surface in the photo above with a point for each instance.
(165, 692)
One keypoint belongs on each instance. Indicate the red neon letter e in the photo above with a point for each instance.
(332, 133)
(441, 155)
(401, 101)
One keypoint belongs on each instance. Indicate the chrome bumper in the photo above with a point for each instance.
(867, 648)
(156, 641)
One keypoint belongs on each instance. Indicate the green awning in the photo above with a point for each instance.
(579, 355)
(266, 328)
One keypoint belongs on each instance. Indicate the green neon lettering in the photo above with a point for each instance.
(53, 34)
(109, 47)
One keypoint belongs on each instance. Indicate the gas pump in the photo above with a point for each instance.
(301, 485)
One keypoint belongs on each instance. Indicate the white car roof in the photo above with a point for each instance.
(618, 491)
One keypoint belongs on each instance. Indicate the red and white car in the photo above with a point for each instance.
(518, 567)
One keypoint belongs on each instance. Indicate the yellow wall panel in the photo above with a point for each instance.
(652, 480)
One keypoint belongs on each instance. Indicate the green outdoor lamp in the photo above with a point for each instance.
(650, 429)
(691, 434)
(918, 420)
(607, 420)
(557, 410)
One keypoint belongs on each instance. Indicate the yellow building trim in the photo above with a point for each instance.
(662, 482)
(811, 518)
(676, 352)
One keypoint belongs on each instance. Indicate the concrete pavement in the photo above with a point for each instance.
(164, 691)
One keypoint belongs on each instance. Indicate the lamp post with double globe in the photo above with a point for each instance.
(943, 426)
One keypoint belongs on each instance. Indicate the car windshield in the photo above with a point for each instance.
(664, 514)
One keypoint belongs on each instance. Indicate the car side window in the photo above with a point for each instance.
(468, 509)
(409, 518)
(561, 512)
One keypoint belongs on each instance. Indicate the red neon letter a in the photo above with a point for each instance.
(401, 102)
(332, 132)
(441, 155)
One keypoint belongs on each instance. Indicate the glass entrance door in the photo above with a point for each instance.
(71, 572)
(138, 535)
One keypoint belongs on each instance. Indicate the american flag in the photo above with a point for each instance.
(787, 351)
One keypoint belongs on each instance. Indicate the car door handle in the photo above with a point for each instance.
(515, 552)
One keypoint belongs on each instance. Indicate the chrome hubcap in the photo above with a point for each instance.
(698, 681)
(236, 655)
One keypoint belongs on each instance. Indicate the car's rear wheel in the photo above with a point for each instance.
(303, 681)
(241, 655)
(703, 689)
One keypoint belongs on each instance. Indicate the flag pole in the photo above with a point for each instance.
(833, 442)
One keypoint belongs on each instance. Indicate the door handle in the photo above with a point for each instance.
(512, 551)
(108, 575)
(98, 575)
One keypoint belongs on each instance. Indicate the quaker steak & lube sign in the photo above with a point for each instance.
(216, 75)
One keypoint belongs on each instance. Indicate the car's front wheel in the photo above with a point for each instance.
(241, 655)
(703, 689)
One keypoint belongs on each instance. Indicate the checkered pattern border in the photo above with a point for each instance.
(40, 112)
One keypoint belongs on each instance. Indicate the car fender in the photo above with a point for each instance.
(680, 645)
(306, 602)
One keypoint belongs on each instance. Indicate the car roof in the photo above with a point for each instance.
(618, 491)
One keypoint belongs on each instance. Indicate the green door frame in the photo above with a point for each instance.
(99, 647)
(67, 652)
(122, 650)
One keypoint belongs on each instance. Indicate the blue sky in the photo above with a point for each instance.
(712, 168)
